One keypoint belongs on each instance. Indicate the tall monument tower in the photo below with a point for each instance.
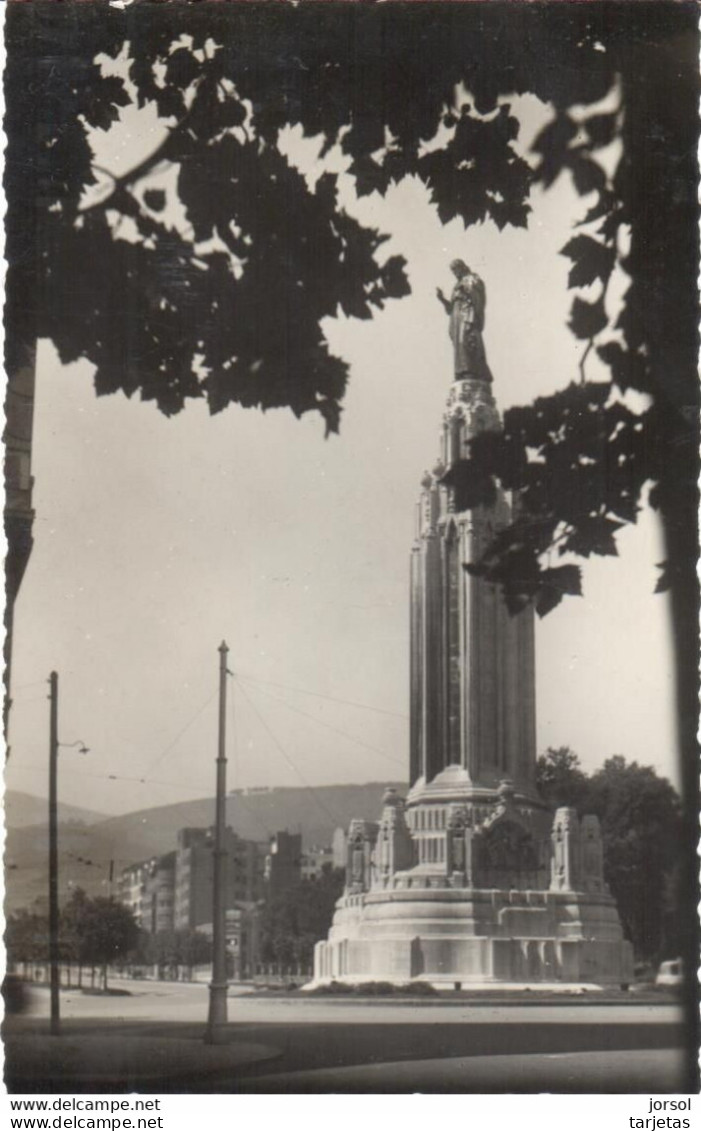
(472, 664)
(471, 879)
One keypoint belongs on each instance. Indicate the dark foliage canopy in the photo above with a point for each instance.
(560, 778)
(228, 304)
(92, 932)
(27, 937)
(294, 919)
(97, 931)
(170, 949)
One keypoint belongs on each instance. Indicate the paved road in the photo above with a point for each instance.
(184, 1002)
(321, 1045)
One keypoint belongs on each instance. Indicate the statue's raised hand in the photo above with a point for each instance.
(446, 302)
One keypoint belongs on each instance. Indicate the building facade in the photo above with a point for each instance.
(242, 927)
(315, 862)
(174, 891)
(339, 848)
(283, 863)
(158, 894)
(130, 888)
(194, 869)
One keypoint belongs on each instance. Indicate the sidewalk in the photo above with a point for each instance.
(85, 1057)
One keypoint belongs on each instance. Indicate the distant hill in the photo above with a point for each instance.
(255, 815)
(23, 809)
(84, 861)
(85, 851)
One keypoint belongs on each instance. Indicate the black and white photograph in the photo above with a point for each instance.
(351, 518)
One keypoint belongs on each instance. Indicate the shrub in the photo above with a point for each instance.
(379, 989)
(420, 989)
(334, 988)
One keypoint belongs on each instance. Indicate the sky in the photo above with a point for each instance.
(156, 539)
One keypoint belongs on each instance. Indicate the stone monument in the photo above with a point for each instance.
(471, 879)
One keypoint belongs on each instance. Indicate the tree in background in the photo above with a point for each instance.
(27, 938)
(92, 932)
(73, 931)
(316, 910)
(169, 950)
(559, 777)
(279, 926)
(640, 816)
(195, 949)
(293, 920)
(104, 930)
(641, 826)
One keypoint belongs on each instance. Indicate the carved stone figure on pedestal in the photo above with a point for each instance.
(506, 855)
(565, 858)
(459, 864)
(466, 308)
(591, 852)
(361, 839)
(394, 849)
(357, 874)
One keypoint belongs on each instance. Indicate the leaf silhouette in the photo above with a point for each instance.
(155, 199)
(587, 318)
(592, 260)
(554, 584)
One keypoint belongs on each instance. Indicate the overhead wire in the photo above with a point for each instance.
(320, 695)
(146, 779)
(152, 781)
(114, 777)
(180, 733)
(237, 795)
(234, 732)
(329, 726)
(286, 756)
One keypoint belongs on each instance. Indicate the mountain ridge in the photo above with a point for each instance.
(23, 809)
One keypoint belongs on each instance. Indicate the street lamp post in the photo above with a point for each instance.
(54, 950)
(217, 1021)
(54, 969)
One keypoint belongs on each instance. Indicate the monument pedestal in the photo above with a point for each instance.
(512, 897)
(475, 938)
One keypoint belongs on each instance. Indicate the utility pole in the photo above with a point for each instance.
(217, 1021)
(54, 968)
